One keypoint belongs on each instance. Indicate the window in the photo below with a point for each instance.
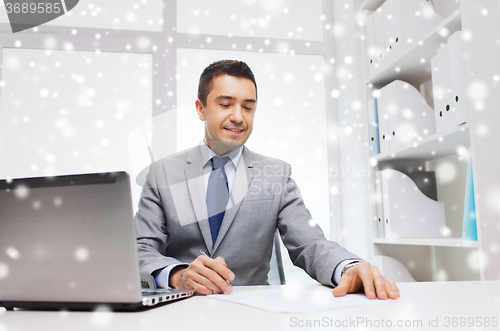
(140, 15)
(64, 112)
(282, 19)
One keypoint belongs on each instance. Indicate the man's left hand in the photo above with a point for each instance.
(368, 278)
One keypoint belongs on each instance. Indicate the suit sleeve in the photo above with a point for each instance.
(152, 237)
(306, 244)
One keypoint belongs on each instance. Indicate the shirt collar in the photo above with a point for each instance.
(207, 154)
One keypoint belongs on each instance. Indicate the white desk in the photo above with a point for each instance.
(419, 302)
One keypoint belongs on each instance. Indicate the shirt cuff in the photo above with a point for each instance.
(338, 270)
(162, 276)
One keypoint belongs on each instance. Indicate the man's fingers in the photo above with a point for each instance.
(393, 290)
(216, 279)
(341, 289)
(370, 279)
(201, 283)
(380, 284)
(206, 276)
(385, 289)
(213, 274)
(364, 272)
(198, 287)
(219, 266)
(221, 260)
(348, 283)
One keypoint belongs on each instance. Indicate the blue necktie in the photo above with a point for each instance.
(217, 195)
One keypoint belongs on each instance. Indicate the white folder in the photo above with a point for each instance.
(405, 23)
(438, 92)
(392, 104)
(407, 211)
(415, 116)
(392, 269)
(458, 102)
(373, 142)
(379, 205)
(383, 122)
(380, 43)
(393, 31)
(446, 83)
(418, 17)
(371, 46)
(405, 117)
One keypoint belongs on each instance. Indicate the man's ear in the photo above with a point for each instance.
(200, 109)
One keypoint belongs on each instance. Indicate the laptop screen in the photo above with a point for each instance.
(69, 239)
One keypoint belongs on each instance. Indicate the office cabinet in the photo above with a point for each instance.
(454, 56)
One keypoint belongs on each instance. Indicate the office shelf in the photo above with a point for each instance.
(433, 147)
(443, 242)
(371, 4)
(414, 66)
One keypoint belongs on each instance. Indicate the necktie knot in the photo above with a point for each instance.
(219, 162)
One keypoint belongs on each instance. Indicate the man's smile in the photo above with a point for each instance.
(233, 130)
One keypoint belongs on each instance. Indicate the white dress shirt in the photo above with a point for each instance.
(229, 168)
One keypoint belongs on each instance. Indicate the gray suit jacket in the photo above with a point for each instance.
(172, 221)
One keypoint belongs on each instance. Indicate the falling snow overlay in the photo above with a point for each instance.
(84, 93)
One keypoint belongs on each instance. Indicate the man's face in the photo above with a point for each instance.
(228, 113)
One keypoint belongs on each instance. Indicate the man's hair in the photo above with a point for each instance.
(223, 67)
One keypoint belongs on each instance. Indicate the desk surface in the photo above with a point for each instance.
(421, 305)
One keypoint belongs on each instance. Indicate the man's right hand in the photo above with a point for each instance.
(204, 275)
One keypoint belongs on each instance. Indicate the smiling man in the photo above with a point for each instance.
(207, 216)
(228, 111)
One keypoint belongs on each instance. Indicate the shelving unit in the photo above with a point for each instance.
(443, 242)
(426, 258)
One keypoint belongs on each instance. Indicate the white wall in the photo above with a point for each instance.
(481, 27)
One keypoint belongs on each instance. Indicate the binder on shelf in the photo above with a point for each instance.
(404, 116)
(378, 24)
(373, 142)
(371, 45)
(448, 81)
(469, 226)
(438, 91)
(408, 213)
(398, 26)
(417, 18)
(442, 88)
(383, 122)
(415, 116)
(392, 112)
(392, 269)
(379, 206)
(458, 102)
(393, 29)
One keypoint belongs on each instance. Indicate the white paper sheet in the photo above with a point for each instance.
(290, 299)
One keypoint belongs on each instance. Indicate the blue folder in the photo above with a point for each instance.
(469, 231)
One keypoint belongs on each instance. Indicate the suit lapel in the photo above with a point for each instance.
(242, 180)
(194, 179)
